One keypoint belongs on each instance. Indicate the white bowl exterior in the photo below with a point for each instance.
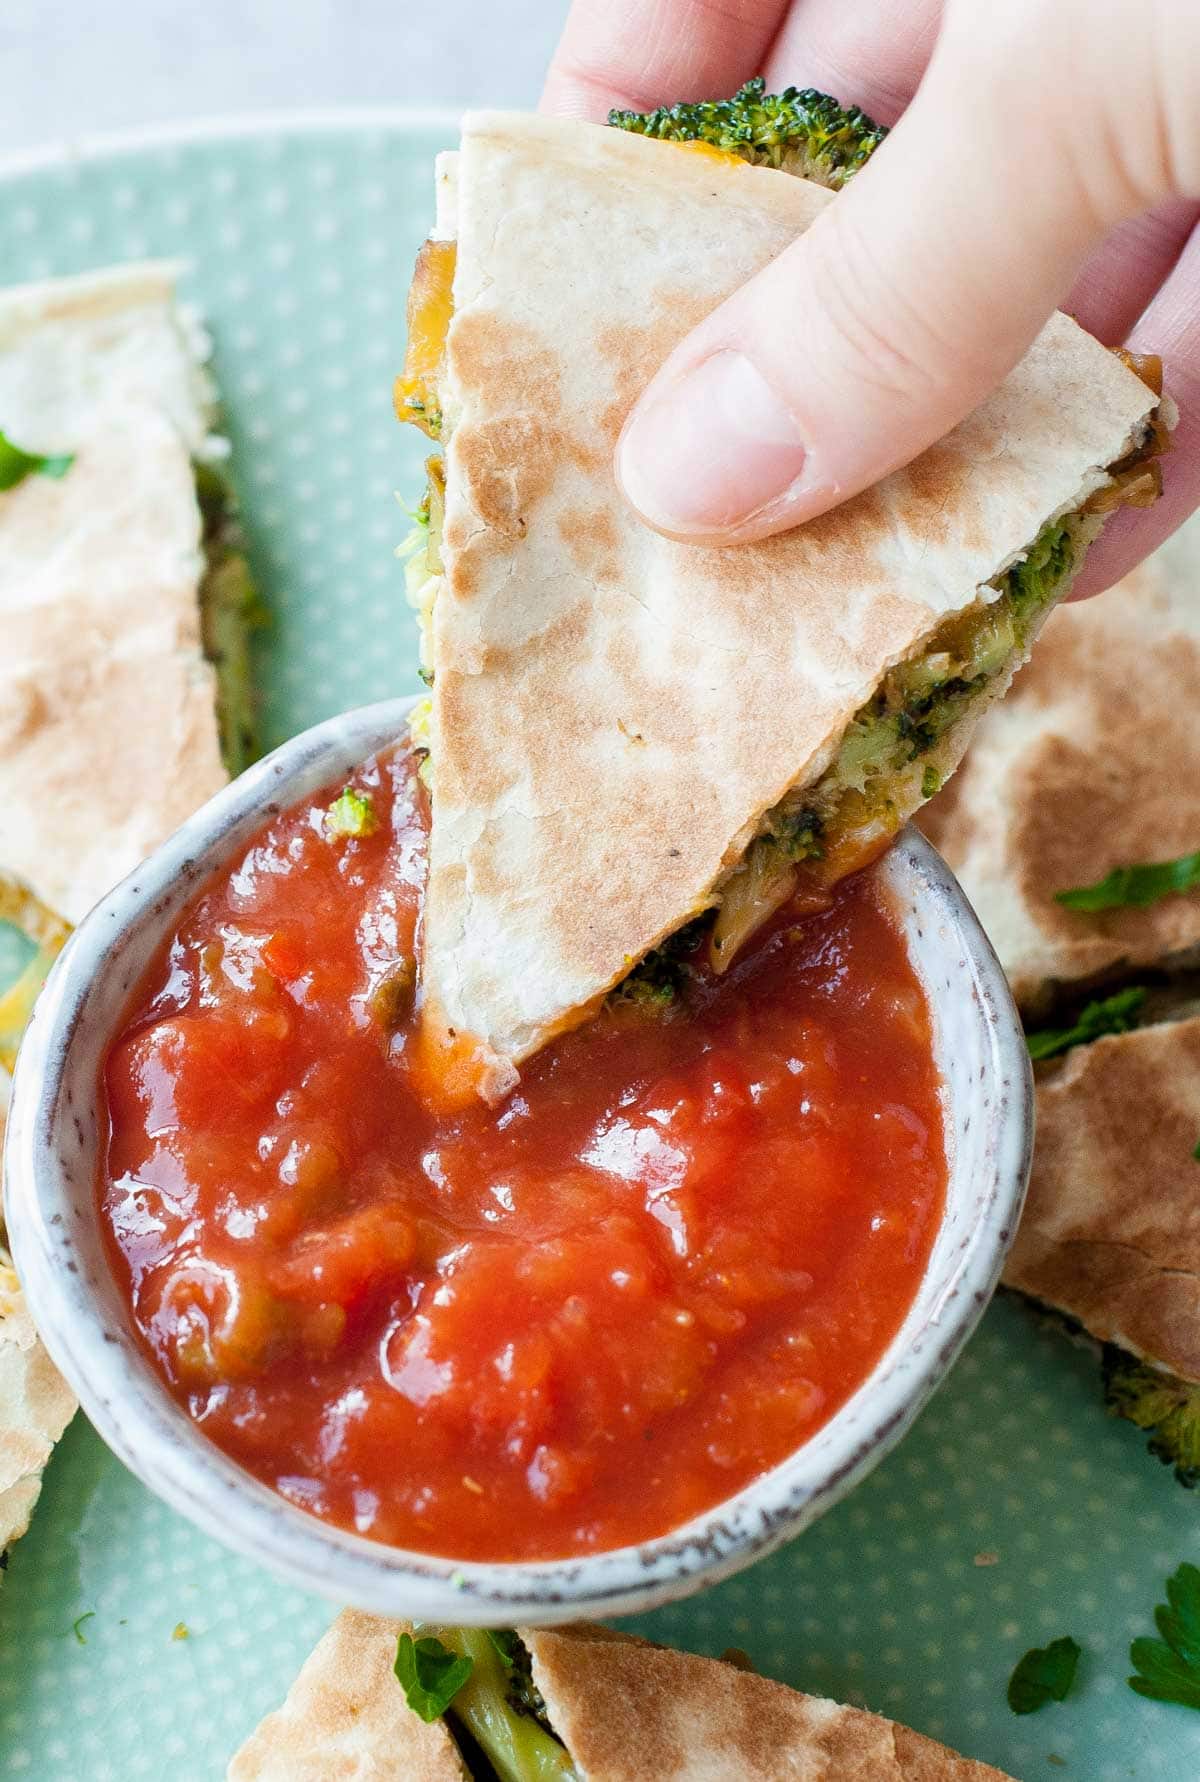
(50, 1170)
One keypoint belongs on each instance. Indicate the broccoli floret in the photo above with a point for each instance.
(796, 833)
(799, 132)
(1035, 581)
(660, 979)
(1169, 1408)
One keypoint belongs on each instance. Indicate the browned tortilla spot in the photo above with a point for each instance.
(1111, 1229)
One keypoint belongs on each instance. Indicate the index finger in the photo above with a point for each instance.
(636, 54)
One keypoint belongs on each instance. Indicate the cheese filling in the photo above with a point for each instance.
(896, 750)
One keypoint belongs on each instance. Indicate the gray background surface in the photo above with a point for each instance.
(70, 68)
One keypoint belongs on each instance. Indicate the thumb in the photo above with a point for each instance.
(912, 295)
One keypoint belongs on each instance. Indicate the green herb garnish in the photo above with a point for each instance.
(506, 1643)
(1134, 887)
(16, 464)
(352, 814)
(78, 1626)
(1169, 1669)
(1045, 1674)
(1112, 1014)
(429, 1674)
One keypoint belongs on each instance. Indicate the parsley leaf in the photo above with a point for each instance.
(1045, 1674)
(1169, 1669)
(352, 814)
(430, 1674)
(1134, 887)
(78, 1626)
(16, 464)
(1112, 1014)
(1196, 1152)
(506, 1643)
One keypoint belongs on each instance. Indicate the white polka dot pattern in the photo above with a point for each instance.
(1014, 1512)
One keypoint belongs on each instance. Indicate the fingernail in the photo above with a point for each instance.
(711, 449)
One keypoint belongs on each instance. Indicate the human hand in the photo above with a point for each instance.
(1047, 154)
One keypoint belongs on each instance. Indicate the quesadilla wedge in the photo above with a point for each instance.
(1079, 771)
(123, 590)
(36, 1404)
(581, 1703)
(1089, 764)
(1110, 1235)
(125, 604)
(627, 733)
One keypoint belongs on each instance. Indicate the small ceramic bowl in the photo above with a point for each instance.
(51, 1170)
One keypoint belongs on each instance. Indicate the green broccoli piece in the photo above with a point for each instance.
(805, 133)
(231, 610)
(1169, 1408)
(1032, 584)
(660, 979)
(796, 833)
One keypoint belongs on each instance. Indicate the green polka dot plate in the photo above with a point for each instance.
(133, 1647)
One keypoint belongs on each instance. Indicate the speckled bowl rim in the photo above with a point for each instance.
(91, 1343)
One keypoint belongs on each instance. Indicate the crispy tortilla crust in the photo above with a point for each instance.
(1083, 768)
(108, 735)
(35, 1407)
(627, 1711)
(1111, 1228)
(345, 1719)
(614, 712)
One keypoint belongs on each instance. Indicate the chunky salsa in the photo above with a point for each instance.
(552, 1327)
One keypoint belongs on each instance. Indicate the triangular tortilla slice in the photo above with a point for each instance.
(614, 715)
(626, 1711)
(1093, 761)
(346, 1716)
(113, 579)
(1110, 1234)
(36, 1405)
(108, 732)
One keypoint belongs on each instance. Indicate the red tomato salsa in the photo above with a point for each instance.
(557, 1326)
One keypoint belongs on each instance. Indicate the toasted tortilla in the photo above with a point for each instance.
(108, 729)
(627, 1711)
(108, 735)
(346, 1716)
(1085, 767)
(1111, 1229)
(35, 1405)
(613, 713)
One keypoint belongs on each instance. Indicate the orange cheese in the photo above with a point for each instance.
(430, 308)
